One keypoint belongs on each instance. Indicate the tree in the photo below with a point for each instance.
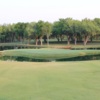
(30, 31)
(4, 33)
(39, 31)
(19, 29)
(76, 30)
(68, 29)
(47, 30)
(97, 24)
(10, 32)
(88, 29)
(58, 29)
(1, 34)
(55, 30)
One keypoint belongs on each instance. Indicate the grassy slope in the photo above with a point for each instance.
(50, 81)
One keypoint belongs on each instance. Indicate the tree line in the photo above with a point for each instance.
(74, 30)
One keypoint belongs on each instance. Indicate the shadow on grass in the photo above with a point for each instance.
(22, 59)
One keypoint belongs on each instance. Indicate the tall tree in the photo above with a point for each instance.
(97, 24)
(58, 29)
(1, 34)
(68, 29)
(76, 30)
(19, 29)
(5, 34)
(30, 31)
(88, 29)
(39, 31)
(47, 30)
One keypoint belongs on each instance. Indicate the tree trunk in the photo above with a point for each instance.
(47, 40)
(68, 40)
(41, 40)
(19, 38)
(91, 38)
(28, 40)
(36, 41)
(13, 38)
(61, 37)
(58, 38)
(75, 40)
(86, 38)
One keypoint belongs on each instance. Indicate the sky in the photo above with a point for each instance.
(13, 11)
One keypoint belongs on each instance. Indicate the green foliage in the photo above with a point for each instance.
(74, 30)
(39, 29)
(30, 29)
(19, 30)
(96, 22)
(47, 28)
(88, 27)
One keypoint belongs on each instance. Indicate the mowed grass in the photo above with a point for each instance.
(48, 54)
(50, 80)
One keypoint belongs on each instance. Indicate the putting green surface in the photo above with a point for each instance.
(49, 54)
(50, 80)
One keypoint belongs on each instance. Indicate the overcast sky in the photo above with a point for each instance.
(13, 11)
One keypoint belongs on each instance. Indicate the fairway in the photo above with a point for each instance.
(50, 80)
